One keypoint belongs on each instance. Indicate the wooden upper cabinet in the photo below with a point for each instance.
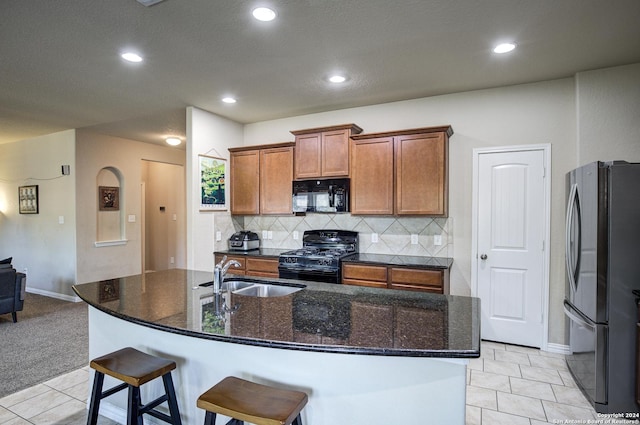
(323, 152)
(261, 179)
(276, 175)
(419, 172)
(372, 176)
(245, 182)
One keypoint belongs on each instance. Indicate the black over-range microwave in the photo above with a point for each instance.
(322, 196)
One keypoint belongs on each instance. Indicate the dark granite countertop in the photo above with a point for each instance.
(401, 260)
(261, 252)
(321, 317)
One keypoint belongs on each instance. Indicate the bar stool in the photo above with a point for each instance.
(134, 368)
(247, 401)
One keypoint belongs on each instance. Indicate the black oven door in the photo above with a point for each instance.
(312, 274)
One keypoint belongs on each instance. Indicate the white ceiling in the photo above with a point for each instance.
(60, 66)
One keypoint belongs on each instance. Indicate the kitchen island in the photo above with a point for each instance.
(363, 355)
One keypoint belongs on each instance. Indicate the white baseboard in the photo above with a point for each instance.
(56, 295)
(558, 348)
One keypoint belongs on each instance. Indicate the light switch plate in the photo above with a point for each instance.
(131, 218)
(218, 235)
(265, 234)
(414, 239)
(296, 235)
(374, 238)
(437, 240)
(270, 234)
(60, 219)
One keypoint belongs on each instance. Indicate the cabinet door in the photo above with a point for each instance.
(265, 267)
(308, 152)
(335, 153)
(276, 174)
(372, 176)
(363, 275)
(245, 182)
(421, 174)
(417, 279)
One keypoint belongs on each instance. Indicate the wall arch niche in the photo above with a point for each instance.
(110, 208)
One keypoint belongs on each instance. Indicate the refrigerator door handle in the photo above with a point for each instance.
(577, 317)
(573, 194)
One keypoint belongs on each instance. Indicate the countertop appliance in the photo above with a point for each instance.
(603, 268)
(321, 196)
(244, 241)
(319, 259)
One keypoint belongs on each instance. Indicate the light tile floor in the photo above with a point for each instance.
(508, 385)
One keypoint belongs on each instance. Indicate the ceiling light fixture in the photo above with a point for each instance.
(504, 47)
(337, 79)
(264, 14)
(173, 141)
(131, 57)
(228, 99)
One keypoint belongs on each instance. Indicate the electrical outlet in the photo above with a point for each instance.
(437, 240)
(218, 236)
(374, 238)
(172, 260)
(174, 217)
(265, 235)
(296, 235)
(414, 239)
(60, 219)
(270, 234)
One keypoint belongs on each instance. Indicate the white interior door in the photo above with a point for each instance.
(510, 251)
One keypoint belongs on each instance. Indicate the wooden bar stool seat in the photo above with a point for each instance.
(255, 403)
(134, 368)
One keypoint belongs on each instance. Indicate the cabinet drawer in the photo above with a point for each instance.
(360, 272)
(415, 279)
(262, 265)
(239, 258)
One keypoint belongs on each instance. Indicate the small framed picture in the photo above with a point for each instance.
(213, 184)
(28, 199)
(108, 198)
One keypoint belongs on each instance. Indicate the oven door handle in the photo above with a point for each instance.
(576, 316)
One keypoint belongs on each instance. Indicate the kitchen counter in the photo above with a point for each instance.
(322, 317)
(349, 348)
(401, 260)
(261, 252)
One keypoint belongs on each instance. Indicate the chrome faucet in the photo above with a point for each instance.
(220, 270)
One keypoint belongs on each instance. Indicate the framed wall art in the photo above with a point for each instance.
(213, 177)
(108, 198)
(28, 199)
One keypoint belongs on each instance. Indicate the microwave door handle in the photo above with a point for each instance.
(573, 194)
(331, 193)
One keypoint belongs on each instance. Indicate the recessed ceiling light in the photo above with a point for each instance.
(337, 79)
(131, 57)
(173, 141)
(228, 100)
(504, 47)
(264, 14)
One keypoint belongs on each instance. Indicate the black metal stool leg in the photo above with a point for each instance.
(96, 395)
(133, 406)
(210, 418)
(171, 399)
(297, 420)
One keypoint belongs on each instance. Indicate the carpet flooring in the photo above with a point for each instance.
(50, 338)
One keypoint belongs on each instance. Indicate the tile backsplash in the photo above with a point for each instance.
(394, 234)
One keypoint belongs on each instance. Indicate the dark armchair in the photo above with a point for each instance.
(12, 289)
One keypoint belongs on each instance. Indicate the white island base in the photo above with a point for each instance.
(344, 389)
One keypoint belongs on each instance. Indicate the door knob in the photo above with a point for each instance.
(483, 257)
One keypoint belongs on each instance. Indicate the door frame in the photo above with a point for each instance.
(546, 150)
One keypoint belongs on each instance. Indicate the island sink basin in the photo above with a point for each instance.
(235, 285)
(262, 291)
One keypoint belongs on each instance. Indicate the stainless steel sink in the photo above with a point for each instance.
(260, 290)
(234, 285)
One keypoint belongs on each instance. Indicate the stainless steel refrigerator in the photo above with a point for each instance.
(603, 268)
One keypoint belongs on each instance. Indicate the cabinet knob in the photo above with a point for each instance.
(483, 257)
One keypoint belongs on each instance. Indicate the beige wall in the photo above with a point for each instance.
(95, 152)
(40, 243)
(518, 115)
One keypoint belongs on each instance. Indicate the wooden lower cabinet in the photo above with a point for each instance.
(252, 265)
(384, 276)
(260, 266)
(364, 275)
